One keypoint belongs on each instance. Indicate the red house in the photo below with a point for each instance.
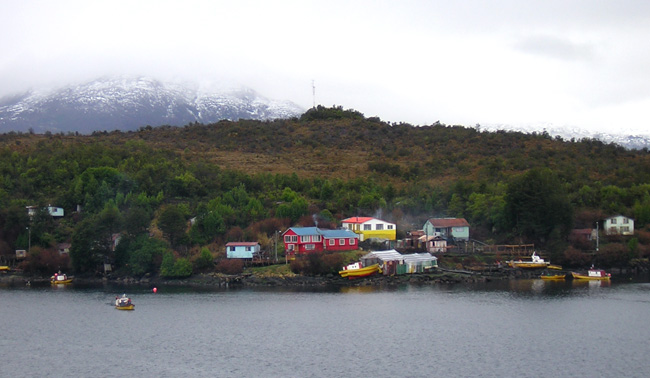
(302, 240)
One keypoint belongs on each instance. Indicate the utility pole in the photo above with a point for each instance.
(597, 236)
(276, 246)
(29, 243)
(313, 92)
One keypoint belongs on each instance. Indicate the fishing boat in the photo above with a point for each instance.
(60, 279)
(534, 263)
(4, 268)
(356, 270)
(124, 303)
(592, 274)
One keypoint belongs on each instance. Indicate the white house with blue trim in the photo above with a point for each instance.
(242, 250)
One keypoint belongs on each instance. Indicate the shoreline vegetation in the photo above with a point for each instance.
(288, 279)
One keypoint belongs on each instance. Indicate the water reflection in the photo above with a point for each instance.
(358, 290)
(61, 286)
(592, 284)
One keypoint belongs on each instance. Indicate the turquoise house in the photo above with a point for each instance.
(447, 228)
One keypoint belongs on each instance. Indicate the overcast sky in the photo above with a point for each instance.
(576, 63)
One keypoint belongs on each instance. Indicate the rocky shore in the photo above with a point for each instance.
(438, 276)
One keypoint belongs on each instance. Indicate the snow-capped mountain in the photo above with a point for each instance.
(127, 103)
(628, 140)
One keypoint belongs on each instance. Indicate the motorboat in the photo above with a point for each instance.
(124, 303)
(356, 270)
(60, 279)
(592, 274)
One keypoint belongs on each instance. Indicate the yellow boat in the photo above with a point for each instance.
(353, 271)
(555, 277)
(592, 274)
(555, 267)
(124, 303)
(60, 279)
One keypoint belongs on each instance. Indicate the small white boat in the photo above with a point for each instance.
(534, 263)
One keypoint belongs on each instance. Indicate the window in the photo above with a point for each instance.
(341, 241)
(351, 241)
(309, 247)
(287, 238)
(294, 239)
(367, 227)
(248, 249)
(331, 242)
(304, 239)
(625, 229)
(316, 238)
(626, 221)
(232, 249)
(380, 227)
(389, 227)
(613, 220)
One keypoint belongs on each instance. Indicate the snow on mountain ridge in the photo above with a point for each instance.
(127, 103)
(623, 138)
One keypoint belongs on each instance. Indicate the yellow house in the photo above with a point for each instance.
(367, 227)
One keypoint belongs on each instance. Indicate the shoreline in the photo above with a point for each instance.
(439, 276)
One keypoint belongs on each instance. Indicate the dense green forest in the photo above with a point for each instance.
(177, 194)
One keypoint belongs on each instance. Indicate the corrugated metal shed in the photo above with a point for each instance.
(382, 256)
(393, 262)
(419, 262)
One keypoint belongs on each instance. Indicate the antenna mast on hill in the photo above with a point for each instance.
(313, 92)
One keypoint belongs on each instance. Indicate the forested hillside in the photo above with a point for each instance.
(177, 194)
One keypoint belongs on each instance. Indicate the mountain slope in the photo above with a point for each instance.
(129, 103)
(618, 136)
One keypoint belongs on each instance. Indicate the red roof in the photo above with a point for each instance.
(357, 220)
(449, 222)
(245, 244)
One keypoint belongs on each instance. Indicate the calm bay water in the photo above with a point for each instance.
(522, 328)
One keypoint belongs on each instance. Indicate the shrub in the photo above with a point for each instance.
(314, 264)
(167, 265)
(230, 266)
(611, 255)
(175, 268)
(332, 263)
(182, 267)
(44, 262)
(575, 257)
(205, 260)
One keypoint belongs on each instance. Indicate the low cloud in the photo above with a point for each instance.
(556, 48)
